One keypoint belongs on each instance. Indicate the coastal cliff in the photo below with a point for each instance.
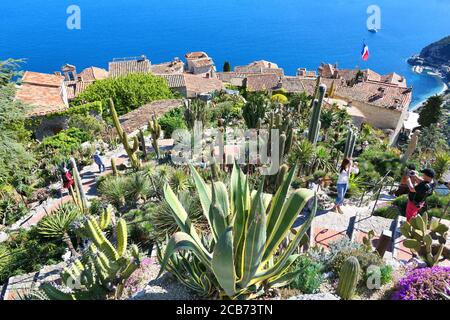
(436, 57)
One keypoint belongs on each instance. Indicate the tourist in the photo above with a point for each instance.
(67, 180)
(99, 162)
(410, 171)
(347, 168)
(420, 188)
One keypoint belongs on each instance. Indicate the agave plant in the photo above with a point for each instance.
(242, 254)
(441, 164)
(59, 223)
(179, 181)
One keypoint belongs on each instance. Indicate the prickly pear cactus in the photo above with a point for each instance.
(425, 238)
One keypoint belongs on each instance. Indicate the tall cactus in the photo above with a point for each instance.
(411, 146)
(155, 130)
(314, 125)
(131, 151)
(348, 278)
(142, 143)
(102, 271)
(350, 144)
(79, 195)
(114, 167)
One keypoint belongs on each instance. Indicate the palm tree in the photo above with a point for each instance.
(59, 223)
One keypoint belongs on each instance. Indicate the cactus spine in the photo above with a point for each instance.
(411, 146)
(350, 144)
(155, 130)
(348, 278)
(131, 151)
(314, 125)
(281, 175)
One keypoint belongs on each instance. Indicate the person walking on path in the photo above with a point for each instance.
(420, 188)
(347, 168)
(99, 162)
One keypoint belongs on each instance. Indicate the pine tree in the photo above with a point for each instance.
(226, 67)
(431, 113)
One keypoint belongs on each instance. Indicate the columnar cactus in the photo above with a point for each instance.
(114, 167)
(79, 196)
(314, 125)
(155, 130)
(102, 271)
(131, 151)
(142, 143)
(348, 278)
(426, 238)
(282, 174)
(411, 146)
(350, 144)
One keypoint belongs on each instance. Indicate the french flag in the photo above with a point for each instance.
(365, 52)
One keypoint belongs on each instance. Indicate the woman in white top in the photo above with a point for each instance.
(345, 170)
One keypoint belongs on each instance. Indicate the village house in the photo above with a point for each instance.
(261, 73)
(192, 86)
(173, 67)
(78, 82)
(45, 94)
(379, 100)
(199, 63)
(124, 66)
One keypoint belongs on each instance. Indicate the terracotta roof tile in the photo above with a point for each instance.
(122, 68)
(93, 73)
(262, 82)
(198, 84)
(43, 79)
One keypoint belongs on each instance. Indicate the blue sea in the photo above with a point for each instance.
(292, 33)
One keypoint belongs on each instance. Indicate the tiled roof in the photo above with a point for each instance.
(43, 92)
(198, 84)
(394, 78)
(204, 62)
(227, 76)
(304, 84)
(122, 68)
(140, 117)
(74, 88)
(262, 82)
(196, 55)
(93, 73)
(174, 80)
(378, 94)
(167, 67)
(43, 79)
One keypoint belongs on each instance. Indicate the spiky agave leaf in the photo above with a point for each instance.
(59, 222)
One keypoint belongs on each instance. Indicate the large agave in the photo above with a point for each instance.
(242, 255)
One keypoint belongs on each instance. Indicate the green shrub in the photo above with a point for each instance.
(365, 260)
(389, 212)
(66, 141)
(309, 276)
(29, 252)
(386, 274)
(87, 123)
(172, 120)
(128, 92)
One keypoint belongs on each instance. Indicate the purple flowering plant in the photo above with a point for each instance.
(424, 284)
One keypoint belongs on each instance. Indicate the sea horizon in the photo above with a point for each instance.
(291, 33)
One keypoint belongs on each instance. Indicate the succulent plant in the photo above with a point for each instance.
(348, 278)
(350, 144)
(426, 238)
(247, 229)
(114, 167)
(155, 130)
(314, 125)
(131, 151)
(102, 270)
(411, 146)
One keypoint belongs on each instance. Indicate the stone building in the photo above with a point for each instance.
(199, 63)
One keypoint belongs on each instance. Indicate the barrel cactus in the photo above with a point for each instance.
(348, 278)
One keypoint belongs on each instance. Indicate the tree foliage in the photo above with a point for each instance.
(128, 92)
(431, 113)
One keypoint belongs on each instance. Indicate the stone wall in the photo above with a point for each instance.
(49, 127)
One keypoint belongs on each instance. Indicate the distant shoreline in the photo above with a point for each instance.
(422, 102)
